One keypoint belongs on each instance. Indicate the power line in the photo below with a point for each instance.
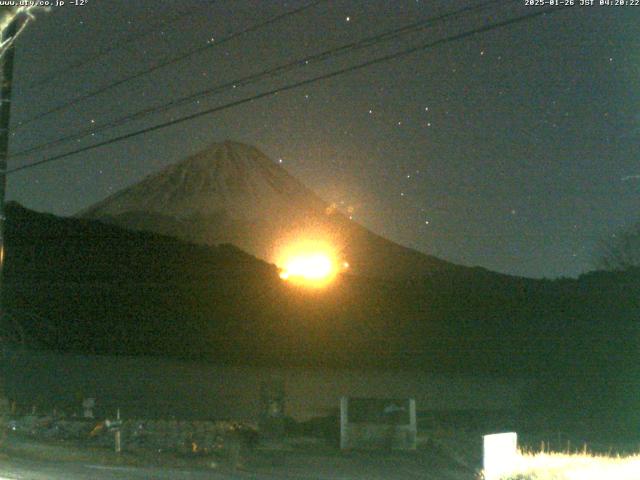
(165, 63)
(292, 86)
(300, 62)
(123, 42)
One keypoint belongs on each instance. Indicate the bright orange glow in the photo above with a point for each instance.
(314, 267)
(310, 263)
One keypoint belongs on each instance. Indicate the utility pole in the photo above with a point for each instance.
(5, 117)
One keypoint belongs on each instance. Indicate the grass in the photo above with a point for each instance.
(575, 466)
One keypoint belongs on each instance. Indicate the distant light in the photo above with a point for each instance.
(309, 262)
(331, 209)
(310, 268)
(279, 160)
(348, 19)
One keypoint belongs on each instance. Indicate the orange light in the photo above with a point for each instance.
(311, 263)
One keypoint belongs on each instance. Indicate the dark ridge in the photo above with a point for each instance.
(75, 285)
(103, 289)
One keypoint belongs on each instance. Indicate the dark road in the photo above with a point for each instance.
(299, 467)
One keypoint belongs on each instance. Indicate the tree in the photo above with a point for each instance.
(621, 251)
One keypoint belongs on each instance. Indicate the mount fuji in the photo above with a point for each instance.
(233, 193)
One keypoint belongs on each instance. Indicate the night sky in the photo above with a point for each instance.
(515, 149)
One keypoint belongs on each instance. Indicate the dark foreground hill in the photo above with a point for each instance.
(83, 286)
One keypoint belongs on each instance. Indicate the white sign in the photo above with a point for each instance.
(500, 455)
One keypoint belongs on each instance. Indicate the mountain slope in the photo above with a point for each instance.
(233, 193)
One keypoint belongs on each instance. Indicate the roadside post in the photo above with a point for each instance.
(116, 427)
